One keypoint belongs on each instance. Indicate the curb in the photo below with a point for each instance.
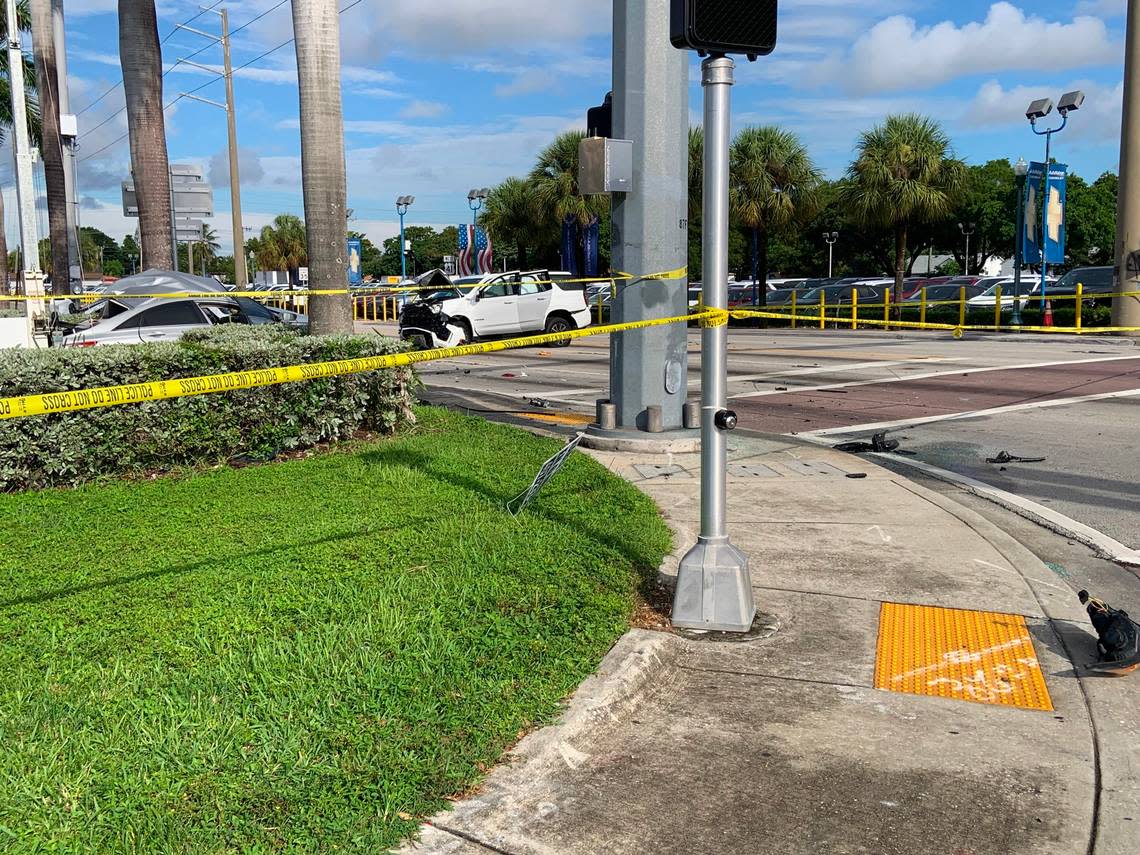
(639, 659)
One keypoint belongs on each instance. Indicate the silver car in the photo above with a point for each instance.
(131, 314)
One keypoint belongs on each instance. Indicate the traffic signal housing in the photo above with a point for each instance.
(724, 26)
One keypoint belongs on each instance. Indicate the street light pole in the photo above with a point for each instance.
(967, 229)
(1039, 109)
(1019, 170)
(402, 205)
(830, 238)
(714, 589)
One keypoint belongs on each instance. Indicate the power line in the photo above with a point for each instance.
(208, 82)
(164, 41)
(200, 50)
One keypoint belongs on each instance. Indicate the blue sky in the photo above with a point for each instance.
(444, 95)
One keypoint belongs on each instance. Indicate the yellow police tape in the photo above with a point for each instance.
(367, 291)
(957, 329)
(134, 393)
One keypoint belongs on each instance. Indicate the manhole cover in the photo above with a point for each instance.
(764, 626)
(654, 470)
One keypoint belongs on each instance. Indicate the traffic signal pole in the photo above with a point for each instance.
(650, 224)
(714, 589)
(1126, 310)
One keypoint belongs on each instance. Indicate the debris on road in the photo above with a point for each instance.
(1006, 457)
(879, 443)
(541, 403)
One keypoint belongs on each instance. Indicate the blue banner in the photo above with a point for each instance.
(355, 271)
(570, 245)
(592, 234)
(1045, 211)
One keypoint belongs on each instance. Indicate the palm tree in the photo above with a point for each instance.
(283, 246)
(773, 184)
(51, 149)
(555, 181)
(513, 214)
(207, 248)
(904, 174)
(696, 172)
(141, 59)
(24, 21)
(317, 31)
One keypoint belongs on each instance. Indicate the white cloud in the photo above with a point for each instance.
(423, 110)
(897, 54)
(1098, 119)
(250, 170)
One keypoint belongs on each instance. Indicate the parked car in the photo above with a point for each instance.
(915, 284)
(1093, 280)
(987, 299)
(946, 293)
(506, 304)
(840, 295)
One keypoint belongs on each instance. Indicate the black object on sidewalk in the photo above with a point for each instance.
(1118, 647)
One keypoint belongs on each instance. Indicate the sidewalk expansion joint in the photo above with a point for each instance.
(735, 673)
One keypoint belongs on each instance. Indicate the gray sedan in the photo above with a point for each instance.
(126, 320)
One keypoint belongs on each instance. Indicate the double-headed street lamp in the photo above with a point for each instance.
(967, 229)
(402, 205)
(1039, 109)
(830, 238)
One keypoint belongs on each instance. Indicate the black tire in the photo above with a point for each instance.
(465, 325)
(559, 324)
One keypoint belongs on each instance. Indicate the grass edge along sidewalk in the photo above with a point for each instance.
(304, 656)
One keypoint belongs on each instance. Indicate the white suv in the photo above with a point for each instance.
(506, 304)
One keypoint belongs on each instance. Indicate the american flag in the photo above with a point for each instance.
(484, 249)
(463, 261)
(475, 251)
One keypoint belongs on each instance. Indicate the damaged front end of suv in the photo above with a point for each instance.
(425, 325)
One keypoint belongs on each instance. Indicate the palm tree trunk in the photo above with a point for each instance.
(141, 59)
(316, 27)
(51, 147)
(900, 266)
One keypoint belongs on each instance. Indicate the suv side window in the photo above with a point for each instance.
(171, 314)
(500, 289)
(530, 288)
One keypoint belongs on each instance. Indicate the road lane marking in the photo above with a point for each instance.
(960, 371)
(969, 414)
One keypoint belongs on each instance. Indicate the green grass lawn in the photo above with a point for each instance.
(304, 656)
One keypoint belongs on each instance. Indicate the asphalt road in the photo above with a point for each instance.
(953, 403)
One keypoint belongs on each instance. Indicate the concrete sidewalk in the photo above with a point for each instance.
(782, 744)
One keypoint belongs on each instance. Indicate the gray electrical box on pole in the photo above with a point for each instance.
(650, 224)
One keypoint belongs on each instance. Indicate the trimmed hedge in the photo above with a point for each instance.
(67, 449)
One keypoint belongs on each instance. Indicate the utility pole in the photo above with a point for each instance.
(649, 367)
(241, 272)
(241, 275)
(1126, 310)
(25, 195)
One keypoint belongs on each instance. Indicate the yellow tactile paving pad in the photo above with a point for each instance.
(985, 657)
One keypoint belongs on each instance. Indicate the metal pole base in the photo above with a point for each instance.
(714, 590)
